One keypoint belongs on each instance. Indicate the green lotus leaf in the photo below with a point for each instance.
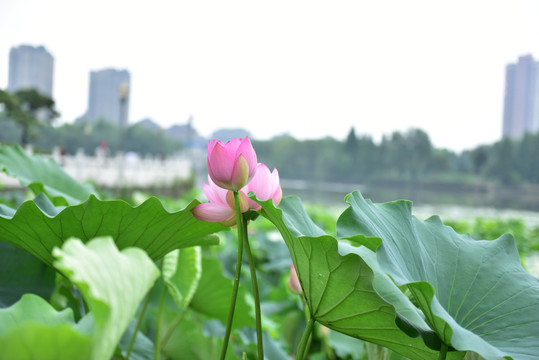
(191, 340)
(475, 294)
(181, 271)
(212, 297)
(341, 289)
(113, 283)
(38, 226)
(43, 176)
(21, 273)
(32, 328)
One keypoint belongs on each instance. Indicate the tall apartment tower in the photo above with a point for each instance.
(109, 97)
(30, 68)
(521, 104)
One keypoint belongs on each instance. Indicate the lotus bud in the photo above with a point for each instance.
(231, 165)
(293, 281)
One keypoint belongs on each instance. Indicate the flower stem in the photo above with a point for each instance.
(172, 327)
(307, 314)
(239, 220)
(139, 322)
(252, 268)
(157, 349)
(303, 349)
(443, 352)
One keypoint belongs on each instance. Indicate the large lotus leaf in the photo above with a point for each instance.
(38, 226)
(191, 340)
(21, 273)
(181, 271)
(212, 297)
(475, 294)
(339, 285)
(33, 329)
(112, 282)
(43, 176)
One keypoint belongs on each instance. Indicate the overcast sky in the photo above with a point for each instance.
(307, 68)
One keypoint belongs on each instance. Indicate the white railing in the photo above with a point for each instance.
(129, 170)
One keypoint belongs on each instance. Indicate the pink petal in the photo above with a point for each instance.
(233, 145)
(220, 165)
(277, 196)
(240, 173)
(261, 184)
(211, 145)
(253, 205)
(244, 201)
(293, 281)
(213, 212)
(215, 193)
(247, 150)
(265, 186)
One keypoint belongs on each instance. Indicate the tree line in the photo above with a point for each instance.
(402, 157)
(26, 117)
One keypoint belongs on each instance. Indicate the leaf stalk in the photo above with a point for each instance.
(139, 322)
(239, 221)
(303, 347)
(443, 352)
(157, 349)
(256, 295)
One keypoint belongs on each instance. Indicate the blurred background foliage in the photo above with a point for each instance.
(399, 157)
(402, 156)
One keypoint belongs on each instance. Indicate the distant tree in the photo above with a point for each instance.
(27, 108)
(7, 101)
(479, 157)
(420, 149)
(139, 139)
(398, 153)
(9, 131)
(503, 164)
(527, 155)
(351, 143)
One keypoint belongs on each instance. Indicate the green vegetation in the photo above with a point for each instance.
(88, 137)
(91, 278)
(27, 108)
(26, 117)
(526, 236)
(402, 158)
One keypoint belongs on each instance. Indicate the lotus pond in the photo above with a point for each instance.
(87, 276)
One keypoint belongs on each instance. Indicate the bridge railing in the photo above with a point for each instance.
(123, 170)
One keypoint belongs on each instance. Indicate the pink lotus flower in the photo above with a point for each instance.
(231, 165)
(221, 207)
(265, 185)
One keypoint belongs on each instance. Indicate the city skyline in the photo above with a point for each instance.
(307, 69)
(108, 97)
(30, 68)
(521, 104)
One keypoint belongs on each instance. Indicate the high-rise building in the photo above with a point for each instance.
(108, 97)
(30, 68)
(521, 105)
